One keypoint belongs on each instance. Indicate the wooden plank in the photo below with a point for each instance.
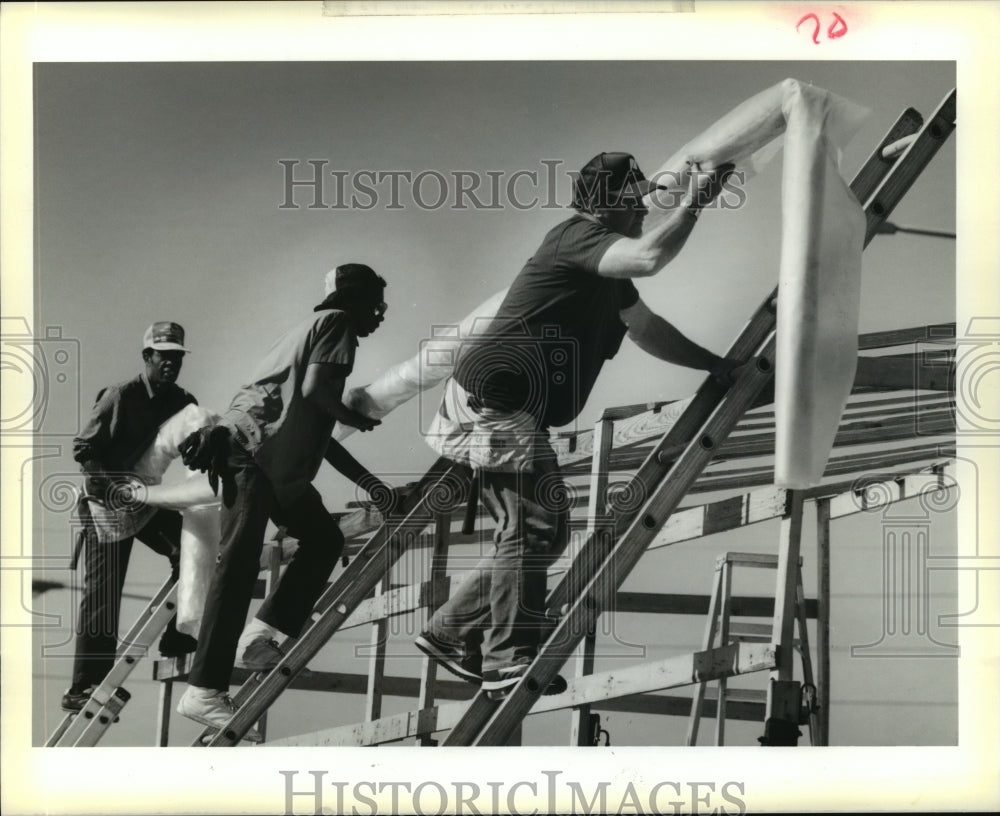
(743, 478)
(933, 333)
(672, 603)
(672, 672)
(823, 622)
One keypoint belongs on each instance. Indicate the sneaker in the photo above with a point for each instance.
(75, 699)
(214, 710)
(263, 654)
(176, 644)
(497, 683)
(455, 659)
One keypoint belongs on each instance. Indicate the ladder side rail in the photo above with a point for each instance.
(135, 643)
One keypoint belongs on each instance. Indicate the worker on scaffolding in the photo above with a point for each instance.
(266, 450)
(124, 421)
(533, 368)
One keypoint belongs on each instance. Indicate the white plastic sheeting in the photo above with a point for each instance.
(199, 508)
(819, 279)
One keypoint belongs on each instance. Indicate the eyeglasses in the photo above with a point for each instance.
(381, 308)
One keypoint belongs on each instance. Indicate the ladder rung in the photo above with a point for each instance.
(751, 630)
(738, 695)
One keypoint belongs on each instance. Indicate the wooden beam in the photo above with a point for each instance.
(672, 672)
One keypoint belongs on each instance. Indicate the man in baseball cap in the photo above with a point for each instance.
(267, 448)
(164, 335)
(575, 301)
(607, 180)
(123, 423)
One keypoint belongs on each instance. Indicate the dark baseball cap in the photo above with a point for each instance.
(607, 178)
(357, 277)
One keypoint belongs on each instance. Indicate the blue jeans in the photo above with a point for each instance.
(500, 607)
(292, 601)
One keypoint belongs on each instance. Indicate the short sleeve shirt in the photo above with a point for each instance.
(271, 417)
(557, 325)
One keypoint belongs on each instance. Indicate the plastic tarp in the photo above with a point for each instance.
(199, 509)
(822, 234)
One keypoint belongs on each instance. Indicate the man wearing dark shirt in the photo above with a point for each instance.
(123, 424)
(565, 314)
(267, 448)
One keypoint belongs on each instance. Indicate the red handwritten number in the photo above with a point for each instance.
(833, 32)
(836, 29)
(815, 36)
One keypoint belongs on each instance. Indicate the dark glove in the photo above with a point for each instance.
(726, 371)
(97, 485)
(709, 183)
(207, 450)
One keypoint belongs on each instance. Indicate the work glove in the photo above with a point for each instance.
(726, 371)
(706, 185)
(207, 450)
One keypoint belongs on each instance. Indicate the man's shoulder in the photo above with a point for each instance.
(122, 388)
(332, 322)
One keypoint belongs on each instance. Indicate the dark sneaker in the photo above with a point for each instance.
(263, 654)
(497, 683)
(75, 699)
(455, 659)
(176, 644)
(215, 711)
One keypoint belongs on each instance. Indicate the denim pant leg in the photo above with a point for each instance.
(464, 617)
(320, 544)
(531, 537)
(100, 607)
(228, 601)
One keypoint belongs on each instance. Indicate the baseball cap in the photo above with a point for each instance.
(164, 336)
(608, 177)
(355, 277)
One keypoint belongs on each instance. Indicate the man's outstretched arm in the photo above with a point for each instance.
(663, 340)
(323, 385)
(665, 237)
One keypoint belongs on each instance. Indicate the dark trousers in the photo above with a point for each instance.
(500, 606)
(290, 604)
(100, 607)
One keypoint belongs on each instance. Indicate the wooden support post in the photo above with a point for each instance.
(726, 608)
(584, 654)
(439, 566)
(823, 618)
(698, 700)
(376, 660)
(783, 698)
(163, 713)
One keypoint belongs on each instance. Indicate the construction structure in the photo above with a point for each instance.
(645, 477)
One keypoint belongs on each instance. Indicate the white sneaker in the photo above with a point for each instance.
(212, 708)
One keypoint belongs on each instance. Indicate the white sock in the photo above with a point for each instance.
(256, 628)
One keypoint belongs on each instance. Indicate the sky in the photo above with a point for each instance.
(158, 191)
